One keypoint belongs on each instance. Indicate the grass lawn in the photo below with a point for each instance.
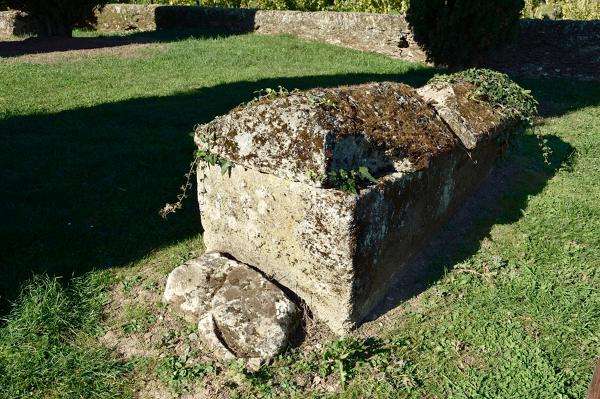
(93, 146)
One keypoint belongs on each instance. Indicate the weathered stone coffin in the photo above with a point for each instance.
(278, 210)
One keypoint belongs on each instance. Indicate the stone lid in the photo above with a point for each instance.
(470, 119)
(303, 136)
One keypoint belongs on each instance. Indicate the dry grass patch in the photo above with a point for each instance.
(56, 50)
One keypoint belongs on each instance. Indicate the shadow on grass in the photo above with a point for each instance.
(81, 189)
(499, 200)
(172, 23)
(43, 45)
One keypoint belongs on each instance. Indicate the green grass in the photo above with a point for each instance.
(47, 347)
(93, 148)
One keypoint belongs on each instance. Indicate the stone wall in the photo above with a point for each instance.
(132, 17)
(545, 48)
(385, 34)
(17, 23)
(121, 17)
(566, 49)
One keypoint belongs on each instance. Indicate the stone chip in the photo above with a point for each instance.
(240, 313)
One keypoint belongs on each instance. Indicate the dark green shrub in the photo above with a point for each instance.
(460, 32)
(56, 17)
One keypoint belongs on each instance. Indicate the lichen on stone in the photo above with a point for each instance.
(392, 117)
(308, 136)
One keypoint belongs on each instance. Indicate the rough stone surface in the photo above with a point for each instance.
(16, 23)
(240, 313)
(125, 17)
(337, 250)
(470, 120)
(552, 49)
(304, 136)
(379, 33)
(566, 49)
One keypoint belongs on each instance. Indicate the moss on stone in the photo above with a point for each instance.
(393, 118)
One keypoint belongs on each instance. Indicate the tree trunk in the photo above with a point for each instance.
(55, 25)
(594, 390)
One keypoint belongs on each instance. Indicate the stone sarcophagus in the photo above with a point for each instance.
(331, 191)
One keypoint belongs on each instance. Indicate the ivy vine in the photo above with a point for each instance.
(350, 180)
(498, 90)
(203, 158)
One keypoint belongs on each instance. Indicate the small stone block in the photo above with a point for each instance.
(240, 313)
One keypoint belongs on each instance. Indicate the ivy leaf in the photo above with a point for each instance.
(350, 186)
(200, 154)
(212, 159)
(226, 167)
(364, 174)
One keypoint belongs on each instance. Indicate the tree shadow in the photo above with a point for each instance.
(558, 97)
(81, 188)
(44, 45)
(501, 198)
(172, 23)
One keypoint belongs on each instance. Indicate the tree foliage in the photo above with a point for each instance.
(459, 32)
(565, 9)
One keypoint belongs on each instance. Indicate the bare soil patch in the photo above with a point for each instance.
(56, 49)
(138, 326)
